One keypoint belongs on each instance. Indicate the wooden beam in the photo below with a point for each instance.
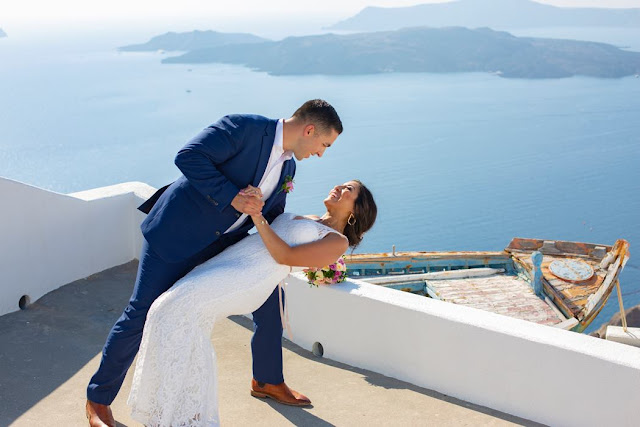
(436, 275)
(567, 324)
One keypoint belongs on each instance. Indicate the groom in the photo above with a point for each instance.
(201, 214)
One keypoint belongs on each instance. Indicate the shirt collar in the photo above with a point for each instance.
(278, 143)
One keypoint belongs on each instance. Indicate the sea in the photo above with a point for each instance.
(462, 161)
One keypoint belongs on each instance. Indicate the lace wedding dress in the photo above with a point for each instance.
(175, 379)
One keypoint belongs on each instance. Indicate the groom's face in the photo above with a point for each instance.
(314, 142)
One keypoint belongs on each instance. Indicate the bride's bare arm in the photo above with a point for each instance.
(315, 254)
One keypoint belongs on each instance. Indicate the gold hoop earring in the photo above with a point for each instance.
(351, 216)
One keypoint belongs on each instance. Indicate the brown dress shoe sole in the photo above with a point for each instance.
(264, 396)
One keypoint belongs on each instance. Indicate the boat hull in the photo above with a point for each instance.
(504, 281)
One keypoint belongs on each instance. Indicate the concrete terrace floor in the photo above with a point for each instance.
(49, 351)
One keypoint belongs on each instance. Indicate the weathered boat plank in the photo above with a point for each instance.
(568, 324)
(500, 294)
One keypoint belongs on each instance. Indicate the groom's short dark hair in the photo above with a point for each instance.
(320, 113)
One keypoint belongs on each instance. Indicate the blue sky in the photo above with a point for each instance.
(38, 19)
(70, 10)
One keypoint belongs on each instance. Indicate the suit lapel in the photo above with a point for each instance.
(265, 151)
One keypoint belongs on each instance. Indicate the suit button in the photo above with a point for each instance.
(217, 233)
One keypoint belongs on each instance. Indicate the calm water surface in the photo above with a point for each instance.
(456, 161)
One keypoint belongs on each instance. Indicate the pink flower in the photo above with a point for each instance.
(329, 275)
(287, 186)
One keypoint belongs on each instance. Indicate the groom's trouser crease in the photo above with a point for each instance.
(154, 277)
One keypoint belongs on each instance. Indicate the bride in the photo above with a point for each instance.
(175, 379)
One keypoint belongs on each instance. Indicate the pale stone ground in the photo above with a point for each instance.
(49, 351)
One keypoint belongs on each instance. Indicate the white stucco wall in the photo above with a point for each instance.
(49, 239)
(533, 371)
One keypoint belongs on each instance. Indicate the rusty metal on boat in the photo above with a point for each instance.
(555, 283)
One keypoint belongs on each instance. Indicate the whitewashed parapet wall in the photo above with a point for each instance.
(49, 239)
(532, 371)
(537, 372)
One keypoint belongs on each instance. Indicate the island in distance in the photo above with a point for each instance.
(434, 50)
(2, 33)
(191, 41)
(497, 14)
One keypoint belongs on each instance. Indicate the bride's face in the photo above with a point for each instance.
(343, 197)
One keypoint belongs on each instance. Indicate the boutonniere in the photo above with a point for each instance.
(287, 186)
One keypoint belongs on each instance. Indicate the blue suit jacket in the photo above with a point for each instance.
(196, 210)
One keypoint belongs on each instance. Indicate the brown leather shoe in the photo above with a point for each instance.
(280, 393)
(99, 415)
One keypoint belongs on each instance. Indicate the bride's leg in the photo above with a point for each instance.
(175, 379)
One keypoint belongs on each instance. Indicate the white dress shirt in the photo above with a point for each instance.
(272, 173)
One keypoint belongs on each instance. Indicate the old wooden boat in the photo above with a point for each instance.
(555, 283)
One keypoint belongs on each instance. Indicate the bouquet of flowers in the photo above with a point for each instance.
(329, 275)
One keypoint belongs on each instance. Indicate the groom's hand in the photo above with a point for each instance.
(247, 203)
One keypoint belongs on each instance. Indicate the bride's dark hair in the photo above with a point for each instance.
(365, 212)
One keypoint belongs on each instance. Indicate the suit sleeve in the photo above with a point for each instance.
(199, 159)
